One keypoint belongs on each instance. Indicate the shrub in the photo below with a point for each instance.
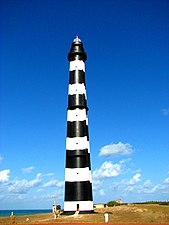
(111, 203)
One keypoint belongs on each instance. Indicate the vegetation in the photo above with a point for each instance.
(154, 202)
(111, 203)
(116, 203)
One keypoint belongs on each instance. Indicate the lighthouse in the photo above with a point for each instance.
(78, 182)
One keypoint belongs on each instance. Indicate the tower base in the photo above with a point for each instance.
(80, 212)
(71, 207)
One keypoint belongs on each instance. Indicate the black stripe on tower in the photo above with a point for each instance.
(77, 129)
(78, 191)
(77, 76)
(77, 101)
(77, 52)
(78, 159)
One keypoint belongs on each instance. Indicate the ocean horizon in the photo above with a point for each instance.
(23, 212)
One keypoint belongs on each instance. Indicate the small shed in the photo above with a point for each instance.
(100, 206)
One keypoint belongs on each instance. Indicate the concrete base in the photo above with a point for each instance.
(80, 212)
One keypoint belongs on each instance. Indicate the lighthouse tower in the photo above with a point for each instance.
(78, 184)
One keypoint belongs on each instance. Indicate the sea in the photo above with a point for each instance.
(23, 212)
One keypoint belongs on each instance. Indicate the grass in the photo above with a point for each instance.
(132, 213)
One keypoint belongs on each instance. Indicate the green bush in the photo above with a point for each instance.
(111, 203)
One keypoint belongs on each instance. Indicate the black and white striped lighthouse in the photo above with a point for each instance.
(78, 183)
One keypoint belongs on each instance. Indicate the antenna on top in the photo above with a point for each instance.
(77, 39)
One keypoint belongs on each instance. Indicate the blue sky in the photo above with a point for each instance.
(127, 89)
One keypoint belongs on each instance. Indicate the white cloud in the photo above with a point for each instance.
(28, 169)
(23, 186)
(96, 183)
(166, 181)
(49, 174)
(101, 191)
(107, 170)
(146, 188)
(165, 111)
(1, 158)
(156, 188)
(4, 175)
(147, 184)
(135, 179)
(54, 183)
(116, 149)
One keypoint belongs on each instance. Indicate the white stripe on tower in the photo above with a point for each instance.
(78, 182)
(77, 64)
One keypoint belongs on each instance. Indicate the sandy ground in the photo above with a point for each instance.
(129, 215)
(98, 223)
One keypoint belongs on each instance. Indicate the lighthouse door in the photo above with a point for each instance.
(77, 207)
